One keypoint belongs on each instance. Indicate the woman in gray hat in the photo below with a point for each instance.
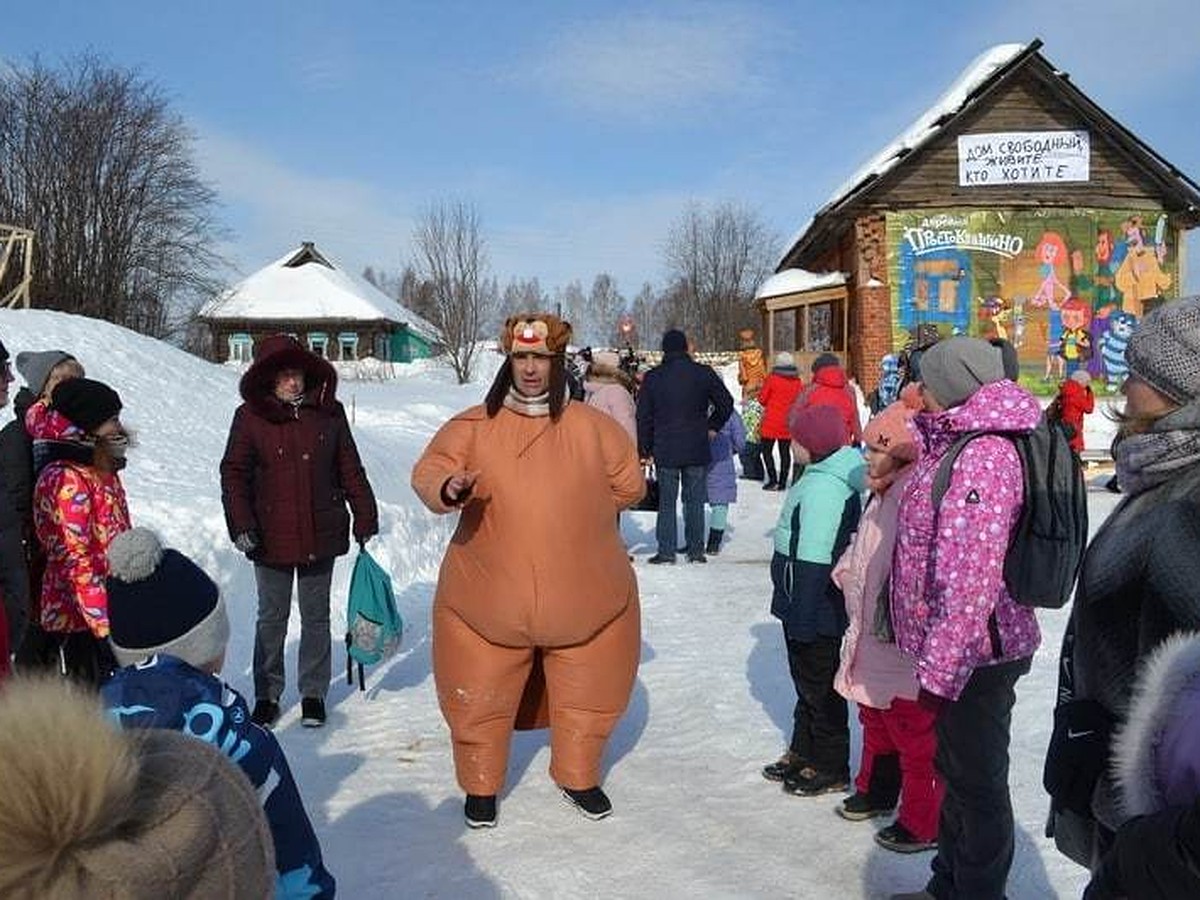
(1139, 584)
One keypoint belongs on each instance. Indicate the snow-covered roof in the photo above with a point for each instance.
(923, 129)
(305, 284)
(794, 281)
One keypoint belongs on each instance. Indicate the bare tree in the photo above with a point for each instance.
(647, 319)
(452, 261)
(605, 305)
(416, 293)
(93, 159)
(384, 280)
(521, 295)
(571, 303)
(716, 259)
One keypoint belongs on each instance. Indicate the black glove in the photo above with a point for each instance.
(247, 542)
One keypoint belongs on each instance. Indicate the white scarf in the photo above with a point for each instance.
(535, 406)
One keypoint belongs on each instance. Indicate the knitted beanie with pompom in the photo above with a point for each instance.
(159, 601)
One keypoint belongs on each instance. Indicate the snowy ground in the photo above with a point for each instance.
(712, 702)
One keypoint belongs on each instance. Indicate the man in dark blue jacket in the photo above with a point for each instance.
(680, 406)
(169, 631)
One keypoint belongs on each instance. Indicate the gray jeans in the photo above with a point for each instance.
(274, 606)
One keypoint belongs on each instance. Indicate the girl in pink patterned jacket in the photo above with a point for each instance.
(951, 611)
(78, 507)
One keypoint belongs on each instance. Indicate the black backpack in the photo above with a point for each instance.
(1046, 548)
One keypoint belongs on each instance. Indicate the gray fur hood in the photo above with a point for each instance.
(1156, 752)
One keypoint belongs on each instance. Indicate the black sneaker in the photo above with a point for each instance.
(784, 767)
(900, 840)
(593, 802)
(697, 558)
(659, 559)
(312, 712)
(816, 783)
(863, 806)
(768, 486)
(480, 811)
(266, 713)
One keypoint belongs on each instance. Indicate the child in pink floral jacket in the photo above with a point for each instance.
(898, 732)
(78, 507)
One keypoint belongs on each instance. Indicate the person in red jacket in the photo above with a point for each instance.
(831, 387)
(289, 469)
(778, 393)
(1075, 400)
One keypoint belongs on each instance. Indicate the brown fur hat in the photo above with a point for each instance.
(91, 812)
(542, 333)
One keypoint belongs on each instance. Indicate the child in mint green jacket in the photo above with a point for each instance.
(820, 513)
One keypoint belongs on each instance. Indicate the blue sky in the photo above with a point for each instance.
(581, 130)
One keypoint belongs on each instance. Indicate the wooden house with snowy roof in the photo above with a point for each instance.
(1015, 207)
(335, 314)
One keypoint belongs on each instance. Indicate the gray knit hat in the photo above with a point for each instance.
(139, 813)
(955, 368)
(35, 366)
(1164, 350)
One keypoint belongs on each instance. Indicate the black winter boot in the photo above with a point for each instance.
(713, 547)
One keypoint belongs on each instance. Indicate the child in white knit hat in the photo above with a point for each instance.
(169, 630)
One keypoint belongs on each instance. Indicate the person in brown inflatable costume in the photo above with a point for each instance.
(536, 618)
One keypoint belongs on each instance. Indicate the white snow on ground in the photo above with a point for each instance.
(712, 702)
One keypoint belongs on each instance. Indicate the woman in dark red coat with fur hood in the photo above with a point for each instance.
(289, 470)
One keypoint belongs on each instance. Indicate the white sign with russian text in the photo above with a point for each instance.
(1023, 157)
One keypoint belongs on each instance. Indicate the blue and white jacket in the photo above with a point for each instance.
(165, 692)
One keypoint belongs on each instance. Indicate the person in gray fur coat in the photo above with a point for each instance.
(1138, 586)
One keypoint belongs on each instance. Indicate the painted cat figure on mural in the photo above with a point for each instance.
(1113, 342)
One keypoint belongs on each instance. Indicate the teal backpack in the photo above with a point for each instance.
(373, 624)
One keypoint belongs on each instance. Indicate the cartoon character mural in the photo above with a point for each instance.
(1045, 279)
(1076, 339)
(998, 314)
(1121, 325)
(1140, 276)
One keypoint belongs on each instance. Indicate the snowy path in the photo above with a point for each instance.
(693, 816)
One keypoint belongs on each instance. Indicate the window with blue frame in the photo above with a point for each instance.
(318, 343)
(348, 346)
(241, 348)
(383, 347)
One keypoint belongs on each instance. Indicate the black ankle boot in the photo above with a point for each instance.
(713, 547)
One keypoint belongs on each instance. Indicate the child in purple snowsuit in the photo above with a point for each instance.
(722, 478)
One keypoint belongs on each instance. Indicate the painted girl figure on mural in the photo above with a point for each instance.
(1140, 277)
(1051, 253)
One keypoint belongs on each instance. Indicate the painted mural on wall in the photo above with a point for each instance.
(1065, 286)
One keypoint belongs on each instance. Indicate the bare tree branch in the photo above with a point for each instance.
(452, 260)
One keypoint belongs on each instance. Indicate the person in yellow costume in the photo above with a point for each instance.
(752, 367)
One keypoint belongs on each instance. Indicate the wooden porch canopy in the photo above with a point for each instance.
(805, 314)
